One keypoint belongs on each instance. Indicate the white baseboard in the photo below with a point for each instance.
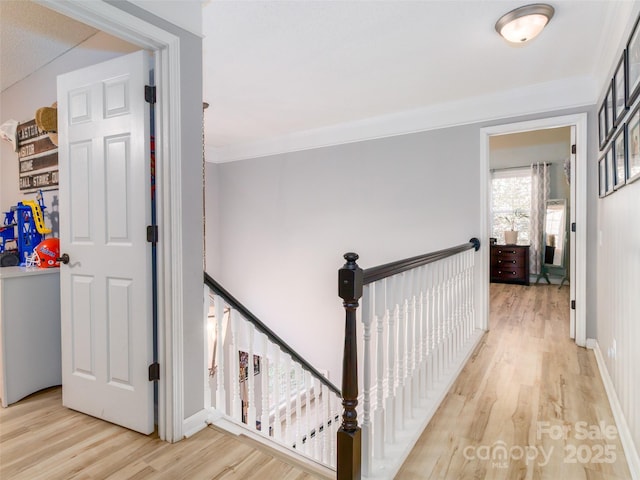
(630, 451)
(195, 423)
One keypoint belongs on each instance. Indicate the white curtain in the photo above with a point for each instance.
(540, 185)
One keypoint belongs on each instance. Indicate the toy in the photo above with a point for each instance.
(24, 228)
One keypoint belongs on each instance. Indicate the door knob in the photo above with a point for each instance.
(64, 258)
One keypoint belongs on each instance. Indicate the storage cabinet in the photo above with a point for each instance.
(30, 351)
(510, 264)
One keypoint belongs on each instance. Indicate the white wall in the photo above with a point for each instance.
(618, 284)
(21, 100)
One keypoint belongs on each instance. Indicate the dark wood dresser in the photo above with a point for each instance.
(510, 264)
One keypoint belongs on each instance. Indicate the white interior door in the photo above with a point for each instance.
(104, 210)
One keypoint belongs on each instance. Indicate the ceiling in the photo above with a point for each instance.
(43, 33)
(281, 69)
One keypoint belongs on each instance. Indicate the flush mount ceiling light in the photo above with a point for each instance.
(524, 23)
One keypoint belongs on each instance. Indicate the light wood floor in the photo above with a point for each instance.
(40, 439)
(526, 388)
(524, 372)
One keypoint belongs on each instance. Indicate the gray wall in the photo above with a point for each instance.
(285, 220)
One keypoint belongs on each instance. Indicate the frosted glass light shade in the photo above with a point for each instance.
(524, 23)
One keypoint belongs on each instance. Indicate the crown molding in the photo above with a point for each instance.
(545, 97)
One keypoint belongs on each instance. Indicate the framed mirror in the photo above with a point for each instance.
(555, 233)
(554, 253)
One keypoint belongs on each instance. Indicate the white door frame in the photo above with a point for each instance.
(579, 254)
(166, 49)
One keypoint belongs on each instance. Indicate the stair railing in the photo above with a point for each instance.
(259, 383)
(419, 328)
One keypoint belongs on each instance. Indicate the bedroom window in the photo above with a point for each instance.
(511, 192)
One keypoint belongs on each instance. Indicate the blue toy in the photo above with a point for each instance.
(28, 217)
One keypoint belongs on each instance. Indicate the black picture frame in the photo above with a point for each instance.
(619, 91)
(609, 102)
(633, 145)
(619, 149)
(602, 177)
(602, 124)
(610, 170)
(632, 65)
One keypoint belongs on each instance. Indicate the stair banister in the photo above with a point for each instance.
(416, 300)
(349, 436)
(240, 308)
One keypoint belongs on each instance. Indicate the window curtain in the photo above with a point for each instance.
(540, 185)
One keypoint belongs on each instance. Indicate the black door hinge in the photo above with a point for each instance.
(149, 94)
(573, 304)
(152, 234)
(573, 149)
(573, 226)
(154, 372)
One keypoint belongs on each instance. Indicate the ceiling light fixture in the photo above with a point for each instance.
(524, 23)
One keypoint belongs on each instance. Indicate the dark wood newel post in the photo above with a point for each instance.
(350, 279)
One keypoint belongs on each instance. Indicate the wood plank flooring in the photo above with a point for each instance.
(524, 403)
(526, 388)
(40, 439)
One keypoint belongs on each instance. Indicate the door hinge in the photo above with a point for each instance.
(573, 226)
(573, 149)
(152, 233)
(573, 304)
(154, 372)
(149, 94)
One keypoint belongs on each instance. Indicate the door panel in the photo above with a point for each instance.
(104, 210)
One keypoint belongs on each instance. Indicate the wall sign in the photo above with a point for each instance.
(37, 157)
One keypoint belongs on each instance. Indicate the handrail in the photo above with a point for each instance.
(231, 300)
(374, 274)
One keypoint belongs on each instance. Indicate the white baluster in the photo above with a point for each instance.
(317, 408)
(277, 393)
(264, 375)
(326, 431)
(221, 396)
(288, 394)
(367, 310)
(378, 414)
(307, 411)
(414, 339)
(207, 346)
(401, 351)
(424, 335)
(234, 363)
(391, 362)
(298, 422)
(472, 314)
(332, 430)
(251, 391)
(449, 310)
(440, 319)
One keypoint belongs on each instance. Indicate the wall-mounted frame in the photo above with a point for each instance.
(633, 65)
(633, 146)
(602, 124)
(602, 177)
(609, 103)
(619, 92)
(619, 146)
(610, 167)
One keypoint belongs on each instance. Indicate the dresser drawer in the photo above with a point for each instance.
(510, 263)
(509, 273)
(509, 252)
